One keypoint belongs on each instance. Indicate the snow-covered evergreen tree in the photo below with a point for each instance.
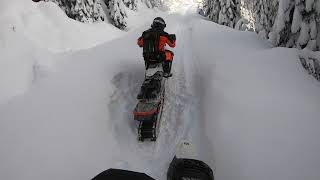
(257, 15)
(297, 24)
(82, 10)
(287, 23)
(152, 3)
(225, 12)
(91, 10)
(117, 9)
(131, 4)
(118, 13)
(247, 14)
(265, 12)
(212, 9)
(228, 14)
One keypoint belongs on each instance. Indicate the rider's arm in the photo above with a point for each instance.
(140, 42)
(171, 41)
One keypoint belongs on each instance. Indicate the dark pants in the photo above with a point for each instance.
(167, 66)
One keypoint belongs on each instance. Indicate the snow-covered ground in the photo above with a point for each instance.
(251, 110)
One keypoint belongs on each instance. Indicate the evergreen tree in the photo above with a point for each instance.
(131, 4)
(118, 13)
(297, 24)
(264, 14)
(82, 10)
(212, 9)
(224, 12)
(152, 3)
(288, 23)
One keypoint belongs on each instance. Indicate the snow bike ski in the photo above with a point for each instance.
(148, 111)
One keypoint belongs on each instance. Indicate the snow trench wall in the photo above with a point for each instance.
(285, 23)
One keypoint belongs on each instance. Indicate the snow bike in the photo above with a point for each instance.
(181, 168)
(148, 111)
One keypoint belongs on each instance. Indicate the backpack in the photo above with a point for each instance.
(151, 52)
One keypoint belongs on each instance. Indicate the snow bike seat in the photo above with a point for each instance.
(154, 70)
(150, 89)
(146, 111)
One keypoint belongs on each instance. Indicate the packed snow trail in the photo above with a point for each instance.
(251, 111)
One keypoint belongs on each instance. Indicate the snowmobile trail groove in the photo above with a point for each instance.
(180, 118)
(172, 124)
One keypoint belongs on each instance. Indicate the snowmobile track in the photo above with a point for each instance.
(151, 130)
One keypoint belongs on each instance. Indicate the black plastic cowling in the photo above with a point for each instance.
(117, 174)
(189, 169)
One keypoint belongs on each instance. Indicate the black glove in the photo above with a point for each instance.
(172, 37)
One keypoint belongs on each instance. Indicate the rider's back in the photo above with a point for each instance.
(153, 42)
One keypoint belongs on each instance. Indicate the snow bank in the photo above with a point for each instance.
(61, 128)
(16, 72)
(261, 109)
(21, 62)
(46, 25)
(77, 121)
(31, 32)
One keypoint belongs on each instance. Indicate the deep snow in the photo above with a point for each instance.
(261, 107)
(251, 110)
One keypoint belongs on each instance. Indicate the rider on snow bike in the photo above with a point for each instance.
(154, 41)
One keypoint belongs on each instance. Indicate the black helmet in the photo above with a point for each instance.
(158, 22)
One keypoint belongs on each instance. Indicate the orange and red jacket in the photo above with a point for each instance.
(169, 55)
(164, 39)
